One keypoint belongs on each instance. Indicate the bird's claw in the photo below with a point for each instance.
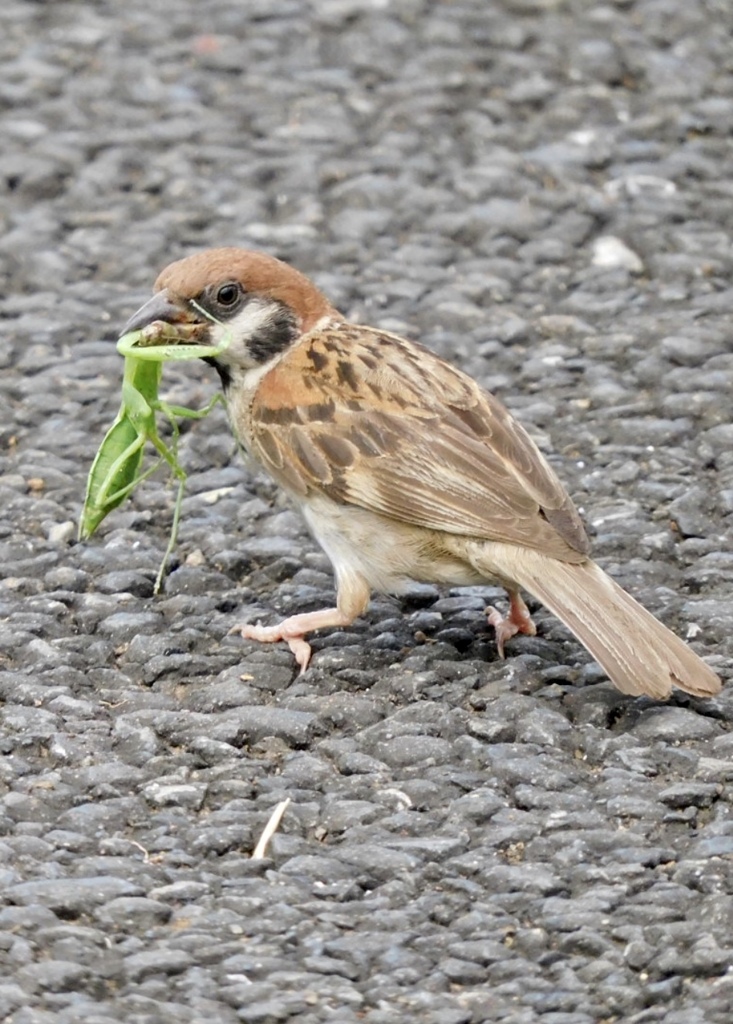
(518, 620)
(273, 634)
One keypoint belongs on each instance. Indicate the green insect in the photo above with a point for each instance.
(117, 467)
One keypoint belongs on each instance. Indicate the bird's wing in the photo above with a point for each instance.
(369, 419)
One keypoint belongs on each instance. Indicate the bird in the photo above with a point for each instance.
(405, 469)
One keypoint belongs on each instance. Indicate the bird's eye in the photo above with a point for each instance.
(228, 294)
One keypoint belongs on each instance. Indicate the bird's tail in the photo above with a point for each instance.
(638, 653)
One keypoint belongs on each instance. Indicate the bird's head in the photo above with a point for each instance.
(251, 305)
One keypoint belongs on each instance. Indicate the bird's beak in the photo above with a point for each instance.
(168, 322)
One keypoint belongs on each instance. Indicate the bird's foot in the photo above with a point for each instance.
(517, 621)
(293, 630)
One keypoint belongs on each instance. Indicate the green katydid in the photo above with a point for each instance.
(116, 469)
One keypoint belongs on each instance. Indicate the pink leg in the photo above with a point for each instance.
(293, 631)
(517, 621)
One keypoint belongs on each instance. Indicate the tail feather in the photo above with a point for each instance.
(639, 654)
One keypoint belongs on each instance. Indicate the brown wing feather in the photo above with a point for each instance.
(372, 420)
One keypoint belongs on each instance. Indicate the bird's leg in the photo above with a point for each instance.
(293, 631)
(352, 599)
(517, 621)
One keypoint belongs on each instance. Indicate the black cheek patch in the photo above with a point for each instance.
(275, 336)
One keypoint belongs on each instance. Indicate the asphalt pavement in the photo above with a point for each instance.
(540, 191)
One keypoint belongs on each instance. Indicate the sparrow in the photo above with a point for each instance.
(404, 468)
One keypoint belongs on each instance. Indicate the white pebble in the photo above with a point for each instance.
(612, 253)
(61, 533)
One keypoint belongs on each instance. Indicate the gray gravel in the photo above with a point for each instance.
(539, 190)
